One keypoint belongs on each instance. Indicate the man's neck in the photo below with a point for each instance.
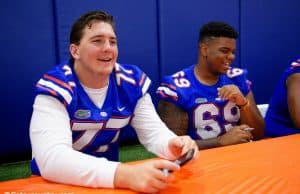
(90, 79)
(204, 76)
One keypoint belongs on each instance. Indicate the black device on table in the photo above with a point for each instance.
(183, 159)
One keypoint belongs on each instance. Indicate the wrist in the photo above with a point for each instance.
(121, 176)
(245, 105)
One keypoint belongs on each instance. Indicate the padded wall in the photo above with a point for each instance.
(27, 50)
(270, 40)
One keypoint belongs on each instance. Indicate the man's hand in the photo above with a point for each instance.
(233, 94)
(236, 135)
(181, 144)
(145, 177)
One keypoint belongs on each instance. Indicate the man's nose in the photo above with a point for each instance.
(231, 56)
(107, 45)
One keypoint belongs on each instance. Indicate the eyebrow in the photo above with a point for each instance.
(102, 36)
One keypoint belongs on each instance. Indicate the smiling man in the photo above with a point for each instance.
(211, 101)
(81, 106)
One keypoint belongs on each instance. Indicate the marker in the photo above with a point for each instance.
(165, 172)
(220, 99)
(249, 129)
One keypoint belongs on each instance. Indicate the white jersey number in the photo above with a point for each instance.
(180, 80)
(205, 119)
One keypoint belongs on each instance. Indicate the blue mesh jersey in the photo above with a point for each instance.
(278, 120)
(95, 130)
(209, 116)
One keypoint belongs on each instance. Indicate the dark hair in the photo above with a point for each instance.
(87, 20)
(217, 29)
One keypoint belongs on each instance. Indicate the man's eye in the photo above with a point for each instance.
(96, 41)
(225, 51)
(113, 42)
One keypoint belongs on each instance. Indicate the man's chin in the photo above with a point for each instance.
(105, 71)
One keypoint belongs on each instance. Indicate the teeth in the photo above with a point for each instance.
(105, 59)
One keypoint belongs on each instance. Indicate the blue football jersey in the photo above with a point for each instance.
(96, 130)
(278, 120)
(208, 115)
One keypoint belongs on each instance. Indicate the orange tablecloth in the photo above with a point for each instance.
(266, 166)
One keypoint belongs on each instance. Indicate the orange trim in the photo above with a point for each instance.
(58, 82)
(49, 90)
(169, 85)
(142, 79)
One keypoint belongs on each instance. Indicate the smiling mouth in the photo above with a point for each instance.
(105, 60)
(227, 64)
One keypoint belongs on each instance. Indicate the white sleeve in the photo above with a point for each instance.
(51, 141)
(151, 130)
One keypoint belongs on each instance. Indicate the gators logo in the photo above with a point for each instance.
(82, 114)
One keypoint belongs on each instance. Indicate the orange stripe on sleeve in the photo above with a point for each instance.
(142, 79)
(65, 85)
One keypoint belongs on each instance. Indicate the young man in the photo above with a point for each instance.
(82, 104)
(283, 115)
(211, 101)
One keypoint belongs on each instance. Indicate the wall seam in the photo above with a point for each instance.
(158, 21)
(55, 22)
(240, 32)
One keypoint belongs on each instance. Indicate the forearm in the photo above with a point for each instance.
(175, 118)
(251, 116)
(64, 165)
(173, 125)
(151, 131)
(208, 143)
(293, 92)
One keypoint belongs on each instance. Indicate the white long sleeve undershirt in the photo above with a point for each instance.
(51, 140)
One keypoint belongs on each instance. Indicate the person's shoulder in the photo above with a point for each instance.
(62, 71)
(58, 82)
(180, 78)
(294, 67)
(175, 86)
(131, 78)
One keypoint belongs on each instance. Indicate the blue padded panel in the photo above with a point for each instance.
(270, 40)
(136, 31)
(179, 24)
(27, 51)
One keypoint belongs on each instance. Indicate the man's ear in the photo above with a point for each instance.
(74, 50)
(203, 48)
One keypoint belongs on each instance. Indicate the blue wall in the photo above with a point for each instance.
(159, 36)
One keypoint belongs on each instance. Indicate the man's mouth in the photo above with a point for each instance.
(226, 65)
(105, 59)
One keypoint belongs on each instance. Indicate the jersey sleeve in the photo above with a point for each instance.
(56, 84)
(294, 68)
(239, 78)
(169, 92)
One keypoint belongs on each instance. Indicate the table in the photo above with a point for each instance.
(265, 166)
